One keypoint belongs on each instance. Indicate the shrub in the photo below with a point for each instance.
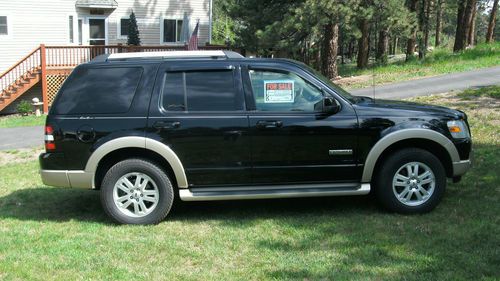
(24, 107)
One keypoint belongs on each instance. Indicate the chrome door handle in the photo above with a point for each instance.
(167, 125)
(266, 124)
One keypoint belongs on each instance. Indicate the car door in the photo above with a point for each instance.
(293, 141)
(198, 110)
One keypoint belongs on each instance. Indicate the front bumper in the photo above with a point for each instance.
(461, 167)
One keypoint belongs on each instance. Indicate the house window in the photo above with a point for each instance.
(71, 32)
(3, 25)
(80, 31)
(124, 25)
(171, 30)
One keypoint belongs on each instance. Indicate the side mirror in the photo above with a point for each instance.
(330, 105)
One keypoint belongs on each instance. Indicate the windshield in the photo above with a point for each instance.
(328, 82)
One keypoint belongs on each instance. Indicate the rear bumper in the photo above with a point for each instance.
(53, 172)
(65, 178)
(461, 167)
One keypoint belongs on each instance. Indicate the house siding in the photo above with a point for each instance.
(34, 22)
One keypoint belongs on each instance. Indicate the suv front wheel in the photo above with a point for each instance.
(136, 191)
(410, 181)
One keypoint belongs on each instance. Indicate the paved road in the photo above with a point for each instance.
(13, 138)
(21, 137)
(434, 85)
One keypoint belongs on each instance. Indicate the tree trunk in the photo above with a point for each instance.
(329, 50)
(395, 47)
(427, 25)
(472, 30)
(341, 47)
(383, 46)
(306, 51)
(459, 33)
(350, 49)
(491, 24)
(391, 46)
(423, 37)
(468, 20)
(410, 43)
(363, 43)
(439, 17)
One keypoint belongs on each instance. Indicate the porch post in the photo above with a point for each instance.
(43, 63)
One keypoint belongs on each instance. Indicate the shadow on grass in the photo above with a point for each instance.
(53, 204)
(65, 204)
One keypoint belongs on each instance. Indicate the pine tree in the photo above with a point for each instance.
(133, 32)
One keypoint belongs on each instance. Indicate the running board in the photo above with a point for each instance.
(272, 191)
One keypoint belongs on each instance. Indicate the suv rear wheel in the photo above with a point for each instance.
(136, 191)
(411, 181)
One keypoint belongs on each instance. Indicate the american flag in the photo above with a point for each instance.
(193, 41)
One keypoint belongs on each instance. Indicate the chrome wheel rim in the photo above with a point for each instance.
(413, 184)
(136, 195)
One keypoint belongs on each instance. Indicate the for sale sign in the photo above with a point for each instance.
(278, 91)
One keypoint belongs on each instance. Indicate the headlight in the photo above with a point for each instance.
(458, 129)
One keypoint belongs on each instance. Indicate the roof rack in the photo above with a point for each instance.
(174, 55)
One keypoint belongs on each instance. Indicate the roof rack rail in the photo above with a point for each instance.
(173, 55)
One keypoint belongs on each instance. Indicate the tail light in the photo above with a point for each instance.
(49, 138)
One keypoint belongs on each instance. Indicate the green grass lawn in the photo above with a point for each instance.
(11, 121)
(50, 233)
(441, 61)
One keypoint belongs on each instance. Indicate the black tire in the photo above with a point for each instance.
(392, 164)
(160, 180)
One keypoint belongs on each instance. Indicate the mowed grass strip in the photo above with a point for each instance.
(11, 121)
(50, 233)
(440, 61)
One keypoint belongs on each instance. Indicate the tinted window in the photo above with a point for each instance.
(98, 90)
(204, 91)
(173, 92)
(283, 91)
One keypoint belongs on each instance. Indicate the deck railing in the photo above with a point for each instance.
(68, 57)
(71, 56)
(30, 62)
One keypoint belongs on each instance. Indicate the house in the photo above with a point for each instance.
(75, 31)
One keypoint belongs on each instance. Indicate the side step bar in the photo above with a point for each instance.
(272, 191)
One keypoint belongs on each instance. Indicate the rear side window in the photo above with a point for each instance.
(201, 91)
(98, 90)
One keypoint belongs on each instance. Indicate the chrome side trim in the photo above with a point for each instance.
(241, 193)
(461, 167)
(139, 142)
(57, 178)
(338, 152)
(392, 138)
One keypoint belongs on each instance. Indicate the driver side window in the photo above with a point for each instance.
(284, 91)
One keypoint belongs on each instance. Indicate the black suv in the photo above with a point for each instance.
(213, 125)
